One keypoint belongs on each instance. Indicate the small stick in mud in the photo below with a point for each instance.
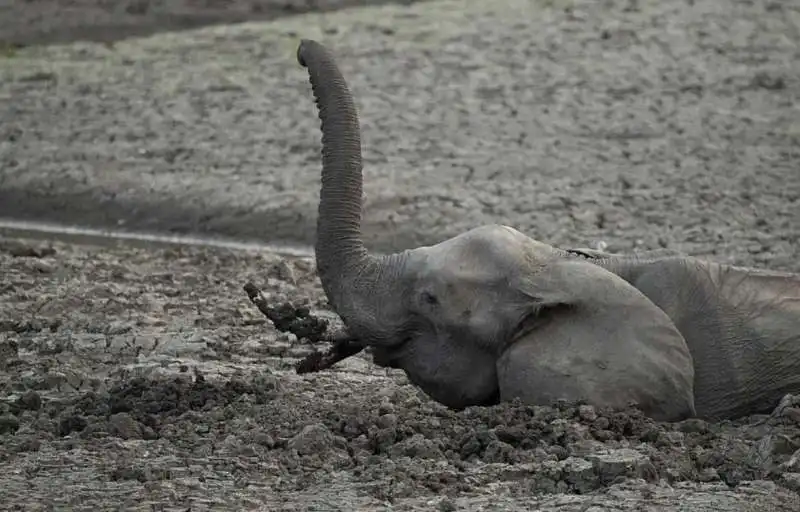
(299, 321)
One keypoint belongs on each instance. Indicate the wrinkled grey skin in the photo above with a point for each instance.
(493, 315)
(742, 325)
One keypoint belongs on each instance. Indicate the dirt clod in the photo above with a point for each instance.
(71, 423)
(287, 317)
(9, 424)
(124, 426)
(30, 400)
(300, 322)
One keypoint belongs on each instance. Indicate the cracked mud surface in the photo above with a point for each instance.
(145, 378)
(644, 124)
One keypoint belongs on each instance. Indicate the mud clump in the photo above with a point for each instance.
(152, 403)
(9, 424)
(569, 448)
(299, 321)
(71, 423)
(398, 444)
(30, 401)
(288, 318)
(124, 426)
(138, 408)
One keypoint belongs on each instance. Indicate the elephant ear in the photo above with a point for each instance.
(593, 337)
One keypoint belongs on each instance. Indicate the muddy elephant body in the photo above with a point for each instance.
(493, 315)
(741, 325)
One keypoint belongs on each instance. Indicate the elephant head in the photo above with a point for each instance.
(487, 315)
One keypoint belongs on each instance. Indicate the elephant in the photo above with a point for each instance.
(492, 315)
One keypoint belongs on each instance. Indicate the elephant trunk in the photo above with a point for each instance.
(348, 273)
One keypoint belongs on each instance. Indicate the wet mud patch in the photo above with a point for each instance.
(63, 21)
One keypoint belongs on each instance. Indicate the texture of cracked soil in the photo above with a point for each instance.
(144, 379)
(640, 122)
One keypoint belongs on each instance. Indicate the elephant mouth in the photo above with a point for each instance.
(390, 356)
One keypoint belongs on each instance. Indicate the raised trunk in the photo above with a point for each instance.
(348, 273)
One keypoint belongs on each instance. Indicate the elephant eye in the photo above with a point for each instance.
(430, 299)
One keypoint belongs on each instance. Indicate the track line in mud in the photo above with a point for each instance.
(93, 236)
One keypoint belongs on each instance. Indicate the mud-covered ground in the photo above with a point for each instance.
(26, 22)
(643, 123)
(145, 379)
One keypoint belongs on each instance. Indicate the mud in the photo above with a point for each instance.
(645, 124)
(38, 22)
(146, 379)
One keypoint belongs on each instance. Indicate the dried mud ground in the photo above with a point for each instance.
(644, 123)
(143, 379)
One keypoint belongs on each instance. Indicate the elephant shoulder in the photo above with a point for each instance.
(676, 285)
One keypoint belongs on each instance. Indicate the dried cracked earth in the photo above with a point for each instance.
(141, 378)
